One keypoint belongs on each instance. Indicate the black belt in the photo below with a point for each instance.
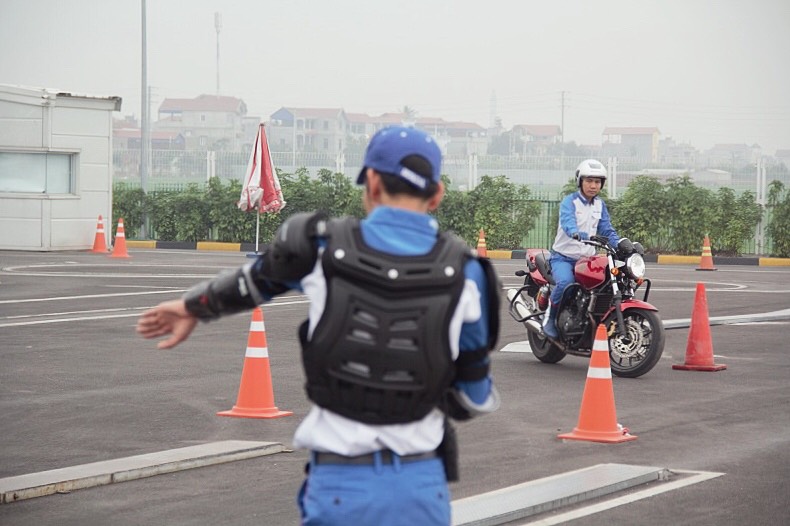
(370, 459)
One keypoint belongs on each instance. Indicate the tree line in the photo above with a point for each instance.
(671, 217)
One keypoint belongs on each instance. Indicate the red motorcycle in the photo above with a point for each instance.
(604, 292)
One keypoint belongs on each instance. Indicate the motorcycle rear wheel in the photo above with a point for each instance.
(543, 349)
(639, 355)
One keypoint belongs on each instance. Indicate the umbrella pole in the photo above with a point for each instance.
(257, 229)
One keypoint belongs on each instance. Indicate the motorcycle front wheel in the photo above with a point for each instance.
(640, 352)
(543, 349)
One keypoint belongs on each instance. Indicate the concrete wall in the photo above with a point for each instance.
(38, 120)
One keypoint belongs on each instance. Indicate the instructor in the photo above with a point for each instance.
(401, 320)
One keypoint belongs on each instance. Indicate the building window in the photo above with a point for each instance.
(326, 125)
(37, 172)
(326, 144)
(202, 118)
(203, 140)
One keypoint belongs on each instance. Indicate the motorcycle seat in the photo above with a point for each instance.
(544, 265)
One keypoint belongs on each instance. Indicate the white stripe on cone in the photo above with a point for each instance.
(599, 372)
(257, 352)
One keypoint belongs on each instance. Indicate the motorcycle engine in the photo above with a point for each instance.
(572, 320)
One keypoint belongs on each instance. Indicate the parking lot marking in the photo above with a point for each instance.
(694, 477)
(134, 312)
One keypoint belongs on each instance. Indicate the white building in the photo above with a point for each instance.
(55, 168)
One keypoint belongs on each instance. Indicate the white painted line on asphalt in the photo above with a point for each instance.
(92, 296)
(65, 320)
(522, 347)
(112, 295)
(70, 313)
(135, 313)
(140, 287)
(662, 487)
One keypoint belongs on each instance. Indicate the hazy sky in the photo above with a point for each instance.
(702, 71)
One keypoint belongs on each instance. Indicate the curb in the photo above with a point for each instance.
(64, 480)
(518, 502)
(660, 259)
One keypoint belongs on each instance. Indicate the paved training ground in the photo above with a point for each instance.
(77, 387)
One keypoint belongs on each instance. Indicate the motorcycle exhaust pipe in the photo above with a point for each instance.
(522, 311)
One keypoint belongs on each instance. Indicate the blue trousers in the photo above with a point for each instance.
(562, 270)
(401, 493)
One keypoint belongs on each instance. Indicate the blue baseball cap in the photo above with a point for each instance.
(390, 146)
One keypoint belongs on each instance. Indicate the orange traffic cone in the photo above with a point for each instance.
(598, 418)
(706, 263)
(256, 397)
(119, 248)
(699, 348)
(99, 243)
(481, 245)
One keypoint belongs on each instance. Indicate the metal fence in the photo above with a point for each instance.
(546, 176)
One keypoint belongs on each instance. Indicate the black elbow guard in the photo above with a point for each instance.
(293, 252)
(228, 293)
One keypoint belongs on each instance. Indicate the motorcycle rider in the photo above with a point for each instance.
(582, 214)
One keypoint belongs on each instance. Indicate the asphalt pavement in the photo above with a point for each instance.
(78, 386)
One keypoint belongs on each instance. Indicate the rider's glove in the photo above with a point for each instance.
(579, 236)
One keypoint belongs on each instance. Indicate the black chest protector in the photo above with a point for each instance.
(380, 353)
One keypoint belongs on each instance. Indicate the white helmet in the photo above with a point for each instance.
(590, 168)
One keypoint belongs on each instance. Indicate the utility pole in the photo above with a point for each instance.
(562, 134)
(217, 26)
(562, 124)
(144, 126)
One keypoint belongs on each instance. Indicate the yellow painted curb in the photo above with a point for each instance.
(678, 260)
(499, 254)
(140, 244)
(213, 245)
(774, 262)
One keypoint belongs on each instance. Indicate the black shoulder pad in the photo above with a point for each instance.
(494, 287)
(292, 253)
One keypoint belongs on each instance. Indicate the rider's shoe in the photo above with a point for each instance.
(550, 329)
(550, 322)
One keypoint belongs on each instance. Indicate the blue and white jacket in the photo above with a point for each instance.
(577, 214)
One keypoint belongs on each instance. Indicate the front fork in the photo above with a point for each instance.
(617, 300)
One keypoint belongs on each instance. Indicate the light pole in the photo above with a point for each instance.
(217, 26)
(144, 126)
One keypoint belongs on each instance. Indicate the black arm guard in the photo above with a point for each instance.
(228, 293)
(453, 408)
(292, 254)
(494, 288)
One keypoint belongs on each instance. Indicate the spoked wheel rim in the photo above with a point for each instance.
(645, 343)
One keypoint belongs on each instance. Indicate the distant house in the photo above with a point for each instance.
(361, 126)
(130, 139)
(319, 130)
(783, 156)
(535, 139)
(206, 122)
(465, 138)
(732, 155)
(637, 143)
(672, 153)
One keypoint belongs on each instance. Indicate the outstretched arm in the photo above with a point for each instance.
(167, 318)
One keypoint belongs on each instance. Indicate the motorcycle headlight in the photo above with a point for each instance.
(635, 266)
